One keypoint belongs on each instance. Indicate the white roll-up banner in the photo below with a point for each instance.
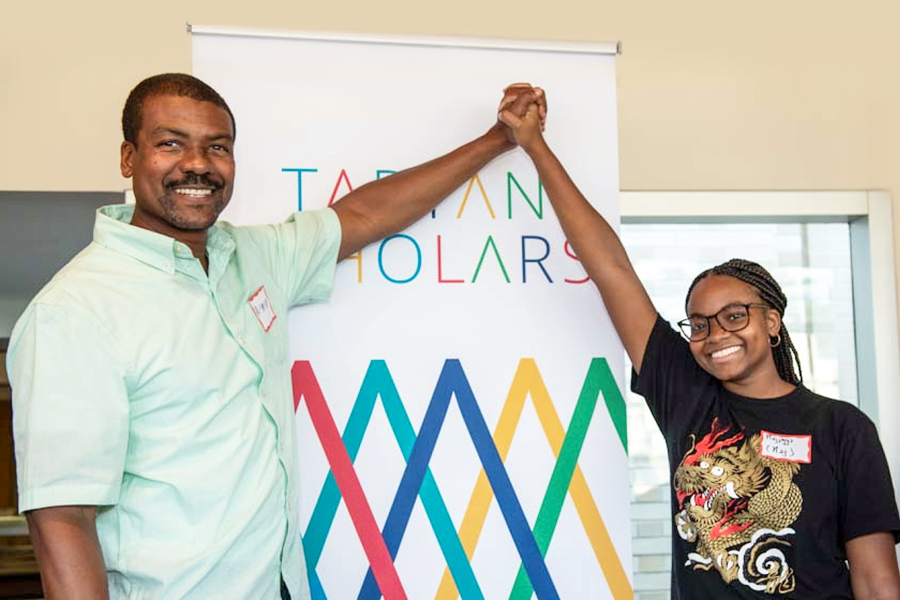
(459, 398)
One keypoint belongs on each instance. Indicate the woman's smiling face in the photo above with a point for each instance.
(741, 359)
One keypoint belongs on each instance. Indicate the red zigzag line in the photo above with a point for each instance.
(348, 483)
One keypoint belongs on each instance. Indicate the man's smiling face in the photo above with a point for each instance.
(182, 165)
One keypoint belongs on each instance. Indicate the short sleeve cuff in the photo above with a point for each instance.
(322, 283)
(68, 495)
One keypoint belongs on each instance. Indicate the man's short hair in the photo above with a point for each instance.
(166, 84)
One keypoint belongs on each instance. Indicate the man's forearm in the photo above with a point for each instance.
(68, 552)
(386, 206)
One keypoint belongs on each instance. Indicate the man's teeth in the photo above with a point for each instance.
(193, 192)
(725, 352)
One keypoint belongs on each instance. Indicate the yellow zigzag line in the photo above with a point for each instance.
(527, 379)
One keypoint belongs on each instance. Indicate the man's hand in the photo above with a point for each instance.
(523, 112)
(512, 92)
(517, 98)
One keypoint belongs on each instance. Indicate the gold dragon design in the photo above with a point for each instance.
(737, 506)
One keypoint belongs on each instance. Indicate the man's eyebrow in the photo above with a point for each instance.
(221, 137)
(162, 131)
(169, 131)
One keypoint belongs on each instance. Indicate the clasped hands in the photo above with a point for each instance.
(522, 112)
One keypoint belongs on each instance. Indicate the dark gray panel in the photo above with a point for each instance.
(41, 231)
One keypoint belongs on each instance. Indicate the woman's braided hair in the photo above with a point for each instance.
(785, 354)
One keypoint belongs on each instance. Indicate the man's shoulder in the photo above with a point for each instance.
(87, 273)
(309, 218)
(305, 231)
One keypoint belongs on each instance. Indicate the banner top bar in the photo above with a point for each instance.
(403, 40)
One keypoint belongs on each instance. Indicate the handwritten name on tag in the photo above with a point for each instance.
(262, 308)
(793, 448)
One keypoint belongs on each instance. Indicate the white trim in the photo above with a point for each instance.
(744, 204)
(884, 310)
(863, 317)
(455, 42)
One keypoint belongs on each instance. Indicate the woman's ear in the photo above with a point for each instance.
(773, 322)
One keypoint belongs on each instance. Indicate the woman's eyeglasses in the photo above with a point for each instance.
(733, 317)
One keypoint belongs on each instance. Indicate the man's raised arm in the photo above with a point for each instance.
(385, 206)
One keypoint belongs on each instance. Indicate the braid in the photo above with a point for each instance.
(785, 354)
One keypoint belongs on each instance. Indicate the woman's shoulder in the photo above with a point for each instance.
(841, 414)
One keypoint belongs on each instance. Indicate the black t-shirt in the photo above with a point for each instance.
(765, 492)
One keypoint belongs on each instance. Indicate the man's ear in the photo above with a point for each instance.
(126, 163)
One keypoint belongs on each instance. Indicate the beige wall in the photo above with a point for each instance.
(795, 94)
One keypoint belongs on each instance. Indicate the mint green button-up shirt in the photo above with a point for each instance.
(162, 395)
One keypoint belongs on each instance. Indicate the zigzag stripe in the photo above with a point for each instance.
(453, 383)
(378, 383)
(528, 382)
(381, 578)
(339, 460)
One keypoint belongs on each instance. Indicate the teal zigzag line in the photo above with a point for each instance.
(377, 382)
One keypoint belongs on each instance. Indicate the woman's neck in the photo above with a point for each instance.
(768, 387)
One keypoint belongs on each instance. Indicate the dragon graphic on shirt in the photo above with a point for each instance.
(737, 506)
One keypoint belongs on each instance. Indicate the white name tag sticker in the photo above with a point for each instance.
(262, 308)
(793, 448)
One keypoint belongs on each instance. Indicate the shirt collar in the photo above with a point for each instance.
(113, 230)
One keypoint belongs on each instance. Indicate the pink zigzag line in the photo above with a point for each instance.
(348, 483)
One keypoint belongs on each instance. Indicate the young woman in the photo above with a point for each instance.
(775, 488)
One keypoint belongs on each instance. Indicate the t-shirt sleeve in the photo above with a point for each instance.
(302, 253)
(868, 504)
(670, 379)
(70, 410)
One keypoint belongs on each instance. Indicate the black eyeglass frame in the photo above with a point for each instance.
(685, 324)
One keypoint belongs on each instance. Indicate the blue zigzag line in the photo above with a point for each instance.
(452, 381)
(377, 382)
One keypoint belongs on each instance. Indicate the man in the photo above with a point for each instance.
(153, 417)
